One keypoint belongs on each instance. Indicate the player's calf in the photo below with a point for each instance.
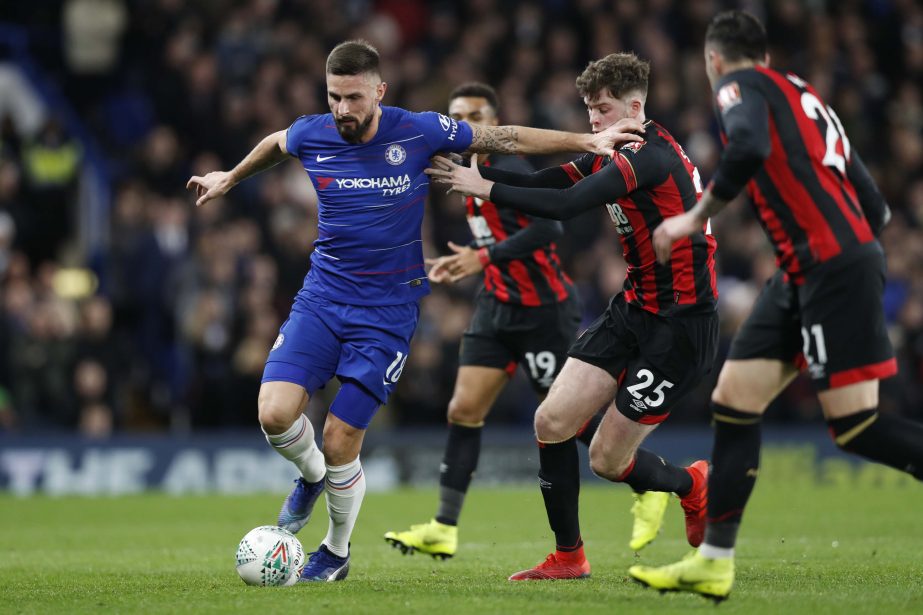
(887, 439)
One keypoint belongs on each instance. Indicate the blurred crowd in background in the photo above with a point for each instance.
(171, 328)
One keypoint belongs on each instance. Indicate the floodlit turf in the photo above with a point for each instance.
(851, 544)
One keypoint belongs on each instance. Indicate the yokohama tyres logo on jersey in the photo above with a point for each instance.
(389, 185)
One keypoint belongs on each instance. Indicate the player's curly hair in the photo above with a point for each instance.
(355, 57)
(620, 73)
(737, 35)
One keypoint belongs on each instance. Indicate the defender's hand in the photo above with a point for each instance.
(439, 272)
(606, 142)
(212, 186)
(461, 179)
(455, 267)
(672, 230)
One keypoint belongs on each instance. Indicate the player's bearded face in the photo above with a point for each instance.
(351, 128)
(353, 100)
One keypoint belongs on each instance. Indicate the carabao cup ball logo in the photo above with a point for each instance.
(395, 154)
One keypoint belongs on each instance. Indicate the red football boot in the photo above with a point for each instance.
(695, 502)
(558, 565)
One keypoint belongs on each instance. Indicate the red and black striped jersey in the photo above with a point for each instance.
(521, 263)
(655, 180)
(811, 193)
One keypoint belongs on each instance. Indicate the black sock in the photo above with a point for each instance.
(458, 466)
(650, 472)
(559, 478)
(585, 434)
(887, 439)
(735, 463)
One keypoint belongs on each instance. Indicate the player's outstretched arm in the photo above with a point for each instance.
(268, 153)
(556, 204)
(525, 140)
(552, 177)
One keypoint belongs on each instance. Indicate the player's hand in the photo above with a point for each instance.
(455, 267)
(626, 130)
(463, 263)
(212, 186)
(439, 271)
(454, 157)
(465, 180)
(672, 230)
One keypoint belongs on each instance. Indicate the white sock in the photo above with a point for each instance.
(345, 487)
(297, 445)
(711, 552)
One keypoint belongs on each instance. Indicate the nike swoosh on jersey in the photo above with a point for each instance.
(324, 158)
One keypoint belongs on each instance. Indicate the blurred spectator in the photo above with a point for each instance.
(51, 163)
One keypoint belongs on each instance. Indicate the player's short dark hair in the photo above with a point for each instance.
(355, 57)
(737, 35)
(620, 73)
(476, 89)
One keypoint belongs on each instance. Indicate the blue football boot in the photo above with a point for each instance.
(296, 510)
(324, 566)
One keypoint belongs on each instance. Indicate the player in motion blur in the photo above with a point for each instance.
(655, 341)
(356, 313)
(527, 312)
(822, 310)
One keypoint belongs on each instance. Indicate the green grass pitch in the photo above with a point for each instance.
(844, 543)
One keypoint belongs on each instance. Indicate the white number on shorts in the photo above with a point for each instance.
(818, 333)
(393, 373)
(647, 379)
(543, 360)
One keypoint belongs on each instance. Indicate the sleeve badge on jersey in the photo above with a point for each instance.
(729, 96)
(445, 122)
(634, 146)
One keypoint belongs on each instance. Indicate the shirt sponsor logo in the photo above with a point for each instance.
(448, 125)
(279, 341)
(389, 186)
(729, 96)
(395, 154)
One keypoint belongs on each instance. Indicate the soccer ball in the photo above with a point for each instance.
(270, 556)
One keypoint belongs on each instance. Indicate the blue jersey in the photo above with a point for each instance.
(369, 250)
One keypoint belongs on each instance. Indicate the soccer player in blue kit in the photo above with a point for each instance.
(358, 308)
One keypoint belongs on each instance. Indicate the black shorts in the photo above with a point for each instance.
(503, 335)
(833, 324)
(655, 359)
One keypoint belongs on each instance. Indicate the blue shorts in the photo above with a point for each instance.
(322, 339)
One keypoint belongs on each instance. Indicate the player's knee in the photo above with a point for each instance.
(734, 394)
(274, 415)
(463, 412)
(605, 463)
(549, 426)
(599, 462)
